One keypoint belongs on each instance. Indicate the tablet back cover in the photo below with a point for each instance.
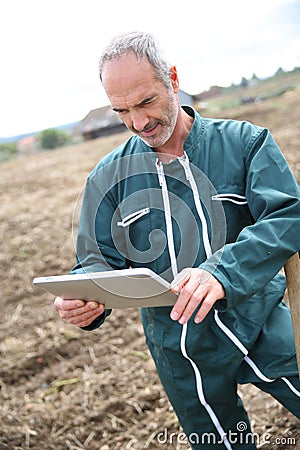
(126, 288)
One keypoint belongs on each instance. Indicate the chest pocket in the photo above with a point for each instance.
(233, 198)
(142, 242)
(133, 217)
(236, 210)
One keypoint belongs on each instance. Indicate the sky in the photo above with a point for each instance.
(50, 49)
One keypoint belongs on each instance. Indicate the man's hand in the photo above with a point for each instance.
(195, 287)
(78, 312)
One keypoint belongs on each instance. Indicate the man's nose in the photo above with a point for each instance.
(139, 120)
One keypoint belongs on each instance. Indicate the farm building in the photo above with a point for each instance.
(27, 146)
(104, 121)
(100, 122)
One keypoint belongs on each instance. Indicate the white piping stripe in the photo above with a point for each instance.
(248, 360)
(241, 347)
(292, 388)
(166, 202)
(257, 371)
(200, 392)
(229, 333)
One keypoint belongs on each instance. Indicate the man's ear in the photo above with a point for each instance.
(174, 79)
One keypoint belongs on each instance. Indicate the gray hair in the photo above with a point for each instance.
(143, 45)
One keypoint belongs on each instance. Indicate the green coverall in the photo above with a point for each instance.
(231, 206)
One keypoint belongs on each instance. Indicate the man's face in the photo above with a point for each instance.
(146, 106)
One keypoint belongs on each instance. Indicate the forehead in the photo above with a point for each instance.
(128, 80)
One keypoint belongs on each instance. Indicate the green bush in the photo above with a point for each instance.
(52, 138)
(7, 150)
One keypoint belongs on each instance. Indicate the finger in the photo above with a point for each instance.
(85, 323)
(86, 318)
(186, 295)
(66, 304)
(193, 303)
(88, 307)
(207, 304)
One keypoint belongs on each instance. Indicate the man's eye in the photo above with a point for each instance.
(147, 102)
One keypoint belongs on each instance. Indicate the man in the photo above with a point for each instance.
(215, 196)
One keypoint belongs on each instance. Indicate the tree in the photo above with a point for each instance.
(279, 72)
(7, 150)
(52, 138)
(244, 82)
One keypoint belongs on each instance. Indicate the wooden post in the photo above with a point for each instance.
(292, 273)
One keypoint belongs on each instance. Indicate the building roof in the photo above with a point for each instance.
(98, 118)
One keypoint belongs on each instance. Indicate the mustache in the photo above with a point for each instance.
(149, 126)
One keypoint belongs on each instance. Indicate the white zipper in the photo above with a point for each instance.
(190, 178)
(233, 198)
(133, 217)
(168, 216)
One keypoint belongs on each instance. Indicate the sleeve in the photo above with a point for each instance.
(95, 249)
(248, 264)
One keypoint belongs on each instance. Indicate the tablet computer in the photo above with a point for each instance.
(126, 288)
